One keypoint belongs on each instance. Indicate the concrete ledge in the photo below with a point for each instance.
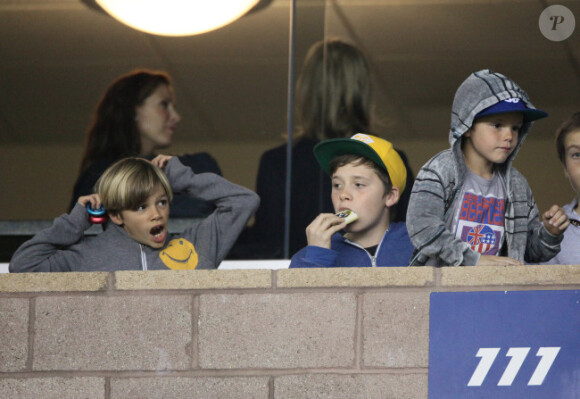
(356, 277)
(510, 275)
(53, 282)
(423, 277)
(300, 333)
(192, 279)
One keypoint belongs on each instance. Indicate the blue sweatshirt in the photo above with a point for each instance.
(395, 249)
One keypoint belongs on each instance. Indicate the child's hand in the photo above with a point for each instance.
(93, 199)
(319, 232)
(555, 220)
(492, 260)
(161, 160)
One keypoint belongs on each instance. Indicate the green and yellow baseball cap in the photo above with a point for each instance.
(378, 150)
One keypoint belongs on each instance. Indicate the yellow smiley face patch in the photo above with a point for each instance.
(179, 254)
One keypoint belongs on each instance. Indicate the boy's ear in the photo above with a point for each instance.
(392, 197)
(116, 218)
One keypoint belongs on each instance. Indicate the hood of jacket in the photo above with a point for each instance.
(479, 91)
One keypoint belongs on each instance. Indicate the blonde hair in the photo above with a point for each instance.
(333, 91)
(129, 182)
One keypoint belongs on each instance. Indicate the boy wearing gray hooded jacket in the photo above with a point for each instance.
(137, 194)
(469, 206)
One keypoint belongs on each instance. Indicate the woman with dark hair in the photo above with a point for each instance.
(137, 116)
(332, 100)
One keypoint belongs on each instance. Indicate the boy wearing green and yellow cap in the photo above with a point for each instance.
(368, 176)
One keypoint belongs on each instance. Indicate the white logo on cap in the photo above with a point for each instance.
(512, 100)
(362, 137)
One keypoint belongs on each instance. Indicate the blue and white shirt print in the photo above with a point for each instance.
(479, 220)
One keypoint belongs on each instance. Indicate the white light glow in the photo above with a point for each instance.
(176, 17)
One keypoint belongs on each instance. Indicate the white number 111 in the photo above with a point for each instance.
(518, 355)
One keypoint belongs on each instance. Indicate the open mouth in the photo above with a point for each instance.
(158, 233)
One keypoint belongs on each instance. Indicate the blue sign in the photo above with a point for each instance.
(512, 344)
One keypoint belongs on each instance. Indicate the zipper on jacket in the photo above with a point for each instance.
(354, 244)
(373, 257)
(143, 258)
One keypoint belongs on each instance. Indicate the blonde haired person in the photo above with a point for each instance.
(137, 194)
(127, 184)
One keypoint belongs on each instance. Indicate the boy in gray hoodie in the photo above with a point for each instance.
(136, 194)
(469, 206)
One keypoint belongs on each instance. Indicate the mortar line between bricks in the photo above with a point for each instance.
(140, 292)
(31, 328)
(506, 287)
(274, 280)
(271, 388)
(221, 291)
(107, 387)
(353, 288)
(362, 371)
(207, 373)
(437, 277)
(281, 291)
(358, 333)
(532, 285)
(194, 361)
(111, 283)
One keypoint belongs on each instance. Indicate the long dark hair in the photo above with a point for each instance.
(113, 133)
(333, 91)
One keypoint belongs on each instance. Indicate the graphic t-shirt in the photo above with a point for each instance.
(479, 217)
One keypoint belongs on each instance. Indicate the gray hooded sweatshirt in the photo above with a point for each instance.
(440, 180)
(64, 247)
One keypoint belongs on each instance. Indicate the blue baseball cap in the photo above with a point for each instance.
(514, 105)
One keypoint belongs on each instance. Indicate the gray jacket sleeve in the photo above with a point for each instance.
(48, 250)
(213, 236)
(540, 244)
(432, 194)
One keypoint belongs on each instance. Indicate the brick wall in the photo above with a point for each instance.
(318, 333)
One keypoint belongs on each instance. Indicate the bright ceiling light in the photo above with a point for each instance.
(177, 17)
